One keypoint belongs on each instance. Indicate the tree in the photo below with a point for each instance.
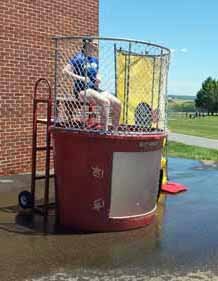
(207, 96)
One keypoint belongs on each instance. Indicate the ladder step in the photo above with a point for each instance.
(41, 100)
(44, 121)
(41, 148)
(49, 205)
(43, 177)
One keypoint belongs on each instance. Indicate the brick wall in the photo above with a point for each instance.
(26, 27)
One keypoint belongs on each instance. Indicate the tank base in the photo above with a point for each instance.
(112, 225)
(106, 183)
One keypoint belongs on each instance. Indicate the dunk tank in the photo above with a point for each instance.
(109, 179)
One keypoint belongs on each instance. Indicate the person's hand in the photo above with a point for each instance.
(97, 83)
(86, 79)
(98, 80)
(155, 115)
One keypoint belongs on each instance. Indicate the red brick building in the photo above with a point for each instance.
(25, 55)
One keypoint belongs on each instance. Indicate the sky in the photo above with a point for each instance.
(188, 27)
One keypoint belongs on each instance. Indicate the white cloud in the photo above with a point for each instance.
(184, 50)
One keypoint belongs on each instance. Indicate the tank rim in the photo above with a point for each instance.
(68, 37)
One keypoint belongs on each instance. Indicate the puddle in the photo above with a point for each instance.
(207, 165)
(181, 244)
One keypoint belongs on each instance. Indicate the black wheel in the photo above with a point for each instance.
(25, 199)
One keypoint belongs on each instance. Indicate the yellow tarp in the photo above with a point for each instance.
(138, 80)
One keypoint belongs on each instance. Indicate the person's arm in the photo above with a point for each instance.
(68, 69)
(98, 80)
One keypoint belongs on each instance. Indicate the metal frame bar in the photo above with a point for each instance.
(166, 119)
(109, 39)
(159, 87)
(84, 104)
(153, 79)
(55, 81)
(139, 55)
(128, 83)
(124, 97)
(166, 91)
(115, 68)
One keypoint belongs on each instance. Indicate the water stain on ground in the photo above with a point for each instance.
(207, 165)
(181, 244)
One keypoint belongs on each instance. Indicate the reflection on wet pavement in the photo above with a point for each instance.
(182, 243)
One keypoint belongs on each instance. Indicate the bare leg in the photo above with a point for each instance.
(116, 108)
(101, 100)
(105, 110)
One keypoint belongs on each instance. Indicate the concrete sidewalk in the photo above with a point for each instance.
(180, 244)
(193, 140)
(15, 182)
(21, 182)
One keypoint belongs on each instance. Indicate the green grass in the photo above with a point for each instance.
(203, 127)
(176, 149)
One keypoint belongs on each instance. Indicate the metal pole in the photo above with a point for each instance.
(166, 119)
(124, 98)
(153, 79)
(128, 83)
(34, 143)
(84, 103)
(115, 68)
(159, 88)
(55, 82)
(167, 51)
(48, 152)
(165, 96)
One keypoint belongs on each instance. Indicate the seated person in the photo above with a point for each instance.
(83, 68)
(143, 115)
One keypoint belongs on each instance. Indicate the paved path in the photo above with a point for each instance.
(193, 140)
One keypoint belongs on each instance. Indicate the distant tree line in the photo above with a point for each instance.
(207, 97)
(185, 106)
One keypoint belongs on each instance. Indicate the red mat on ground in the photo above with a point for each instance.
(173, 187)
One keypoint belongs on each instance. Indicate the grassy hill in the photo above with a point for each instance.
(176, 97)
(181, 104)
(202, 127)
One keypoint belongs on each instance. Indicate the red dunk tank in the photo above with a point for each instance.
(108, 131)
(106, 182)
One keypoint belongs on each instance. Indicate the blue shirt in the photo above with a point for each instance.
(82, 64)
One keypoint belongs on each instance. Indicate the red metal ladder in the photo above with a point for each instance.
(47, 148)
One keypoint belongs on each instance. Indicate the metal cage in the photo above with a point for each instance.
(135, 72)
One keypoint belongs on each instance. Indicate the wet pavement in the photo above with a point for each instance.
(182, 243)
